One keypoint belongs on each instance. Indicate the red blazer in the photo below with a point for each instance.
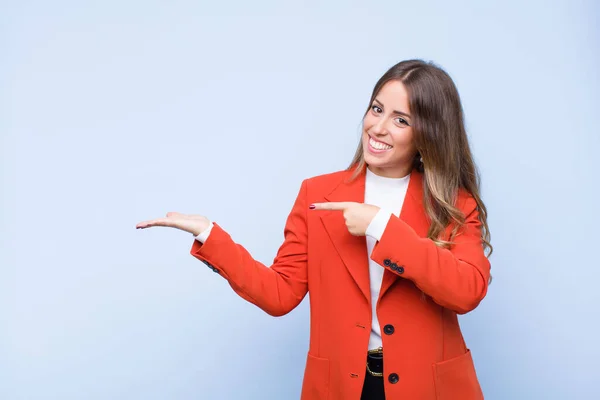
(424, 288)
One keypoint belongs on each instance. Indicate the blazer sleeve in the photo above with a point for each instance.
(277, 289)
(455, 278)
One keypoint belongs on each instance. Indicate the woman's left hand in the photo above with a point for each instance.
(358, 216)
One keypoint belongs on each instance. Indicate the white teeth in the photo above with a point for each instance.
(379, 145)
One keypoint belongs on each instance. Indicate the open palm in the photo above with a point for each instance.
(193, 224)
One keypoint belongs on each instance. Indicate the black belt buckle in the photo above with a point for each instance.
(375, 362)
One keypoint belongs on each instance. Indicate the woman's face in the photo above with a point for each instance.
(387, 139)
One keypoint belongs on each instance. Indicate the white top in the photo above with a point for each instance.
(387, 194)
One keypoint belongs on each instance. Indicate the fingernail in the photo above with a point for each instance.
(312, 206)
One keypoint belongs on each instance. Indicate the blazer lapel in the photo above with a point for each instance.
(413, 213)
(351, 249)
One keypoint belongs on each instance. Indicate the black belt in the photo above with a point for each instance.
(375, 362)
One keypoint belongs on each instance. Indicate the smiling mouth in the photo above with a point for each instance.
(378, 145)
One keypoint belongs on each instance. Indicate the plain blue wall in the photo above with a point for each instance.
(115, 112)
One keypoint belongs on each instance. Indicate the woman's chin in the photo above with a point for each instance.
(372, 160)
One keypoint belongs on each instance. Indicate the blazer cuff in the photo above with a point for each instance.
(378, 224)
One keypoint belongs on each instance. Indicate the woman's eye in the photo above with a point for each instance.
(376, 109)
(402, 121)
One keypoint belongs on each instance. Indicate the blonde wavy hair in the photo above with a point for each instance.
(443, 152)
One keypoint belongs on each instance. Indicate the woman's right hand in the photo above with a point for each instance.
(194, 224)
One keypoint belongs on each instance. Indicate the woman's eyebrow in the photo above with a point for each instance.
(395, 111)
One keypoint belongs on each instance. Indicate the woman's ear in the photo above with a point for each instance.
(418, 162)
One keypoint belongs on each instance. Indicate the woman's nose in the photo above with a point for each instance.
(379, 128)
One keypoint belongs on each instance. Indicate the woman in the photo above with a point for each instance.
(391, 250)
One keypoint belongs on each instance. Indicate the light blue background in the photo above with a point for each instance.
(115, 112)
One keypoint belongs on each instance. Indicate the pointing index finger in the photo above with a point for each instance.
(330, 206)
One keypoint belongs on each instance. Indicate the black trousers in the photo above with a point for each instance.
(373, 388)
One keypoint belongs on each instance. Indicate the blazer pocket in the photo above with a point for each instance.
(315, 385)
(455, 379)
